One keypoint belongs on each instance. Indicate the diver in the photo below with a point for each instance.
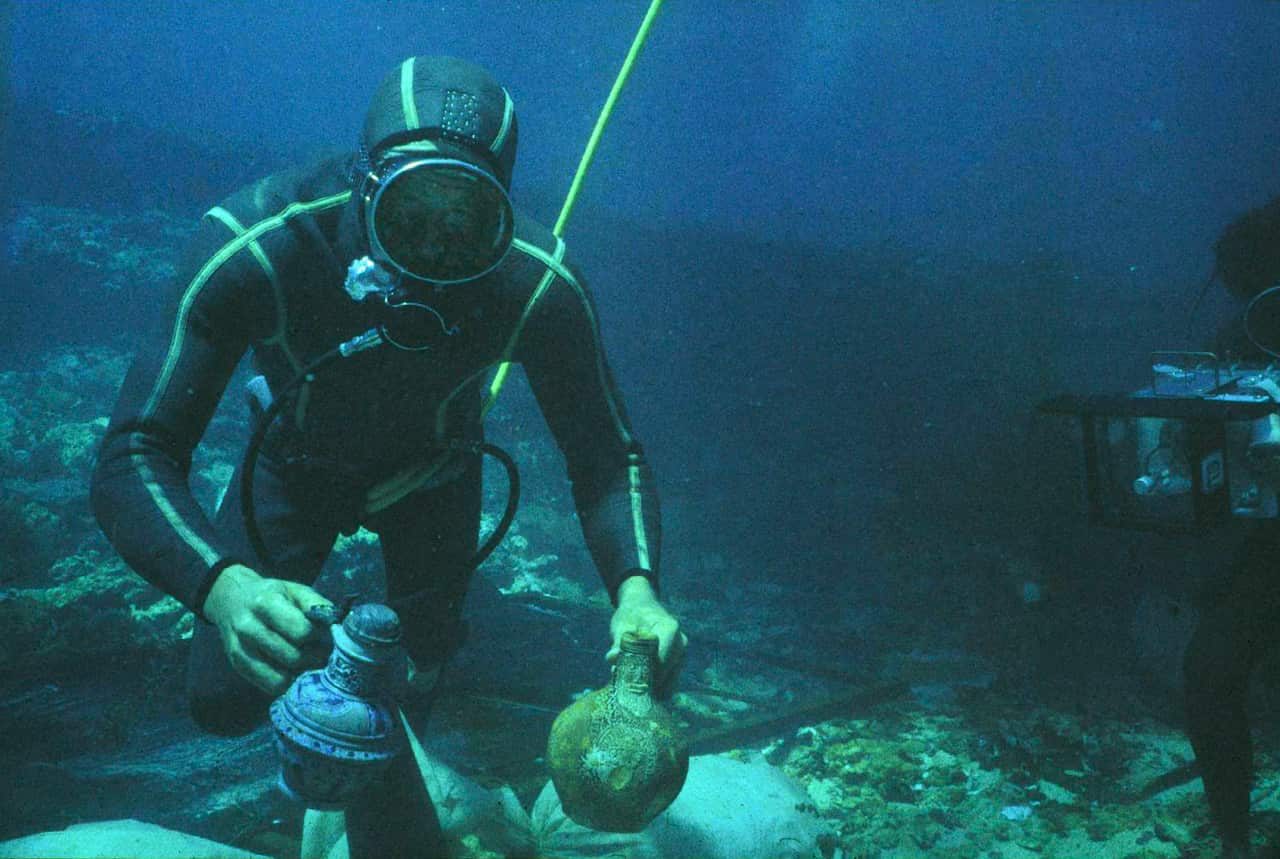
(413, 237)
(1239, 627)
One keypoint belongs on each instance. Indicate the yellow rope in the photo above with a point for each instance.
(605, 112)
(588, 154)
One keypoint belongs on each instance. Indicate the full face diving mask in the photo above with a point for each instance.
(436, 219)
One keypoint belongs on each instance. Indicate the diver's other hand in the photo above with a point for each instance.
(640, 612)
(265, 633)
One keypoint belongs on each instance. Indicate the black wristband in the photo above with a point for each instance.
(206, 585)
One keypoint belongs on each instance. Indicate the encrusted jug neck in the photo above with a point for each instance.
(633, 673)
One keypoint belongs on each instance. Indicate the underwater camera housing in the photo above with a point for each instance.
(1196, 448)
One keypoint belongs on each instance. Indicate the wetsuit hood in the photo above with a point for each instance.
(451, 102)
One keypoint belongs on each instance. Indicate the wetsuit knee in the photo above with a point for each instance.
(220, 700)
(225, 716)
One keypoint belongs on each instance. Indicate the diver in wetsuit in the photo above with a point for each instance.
(413, 236)
(1240, 626)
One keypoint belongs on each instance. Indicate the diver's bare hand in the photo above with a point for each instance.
(265, 633)
(640, 612)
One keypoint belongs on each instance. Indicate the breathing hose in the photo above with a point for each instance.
(252, 453)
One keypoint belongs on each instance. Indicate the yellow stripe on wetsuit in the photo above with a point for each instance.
(557, 265)
(282, 317)
(177, 340)
(226, 252)
(637, 512)
(170, 513)
(554, 263)
(407, 104)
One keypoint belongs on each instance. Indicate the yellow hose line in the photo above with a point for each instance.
(605, 112)
(495, 387)
(637, 43)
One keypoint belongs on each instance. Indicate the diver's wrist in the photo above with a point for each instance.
(637, 586)
(226, 586)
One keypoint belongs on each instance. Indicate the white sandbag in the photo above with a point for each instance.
(728, 809)
(494, 817)
(116, 839)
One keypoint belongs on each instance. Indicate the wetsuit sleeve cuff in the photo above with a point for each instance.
(206, 585)
(649, 575)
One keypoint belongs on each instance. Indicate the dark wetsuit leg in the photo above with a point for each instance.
(394, 817)
(1231, 637)
(426, 541)
(299, 528)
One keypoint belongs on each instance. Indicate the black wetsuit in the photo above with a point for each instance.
(1234, 633)
(1236, 630)
(266, 272)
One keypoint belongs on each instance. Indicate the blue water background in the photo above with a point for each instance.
(787, 381)
(1129, 131)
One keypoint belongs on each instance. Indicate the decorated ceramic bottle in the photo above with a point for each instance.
(616, 755)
